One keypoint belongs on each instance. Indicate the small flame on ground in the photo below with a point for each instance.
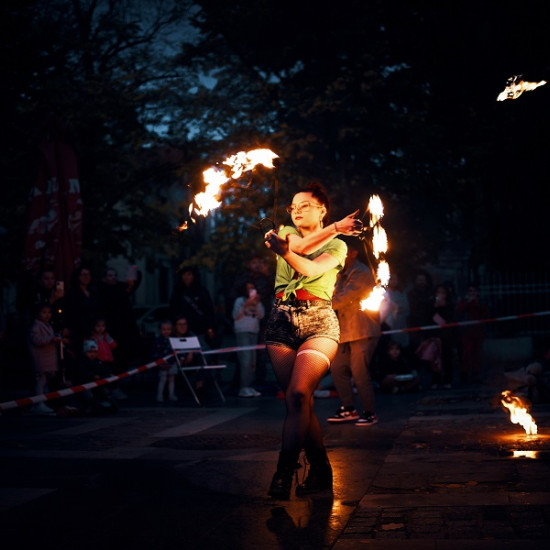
(518, 409)
(515, 86)
(207, 200)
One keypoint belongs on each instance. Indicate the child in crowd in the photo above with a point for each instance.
(105, 343)
(105, 346)
(168, 369)
(43, 345)
(99, 399)
(395, 372)
(248, 310)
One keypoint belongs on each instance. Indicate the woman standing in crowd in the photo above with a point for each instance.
(248, 311)
(302, 332)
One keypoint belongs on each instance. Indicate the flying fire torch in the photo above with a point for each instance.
(515, 86)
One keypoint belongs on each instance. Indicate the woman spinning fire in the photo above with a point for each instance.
(302, 331)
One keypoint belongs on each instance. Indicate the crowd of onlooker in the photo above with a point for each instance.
(87, 330)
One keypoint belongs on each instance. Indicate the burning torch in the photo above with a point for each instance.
(375, 235)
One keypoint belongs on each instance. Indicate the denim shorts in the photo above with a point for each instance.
(292, 323)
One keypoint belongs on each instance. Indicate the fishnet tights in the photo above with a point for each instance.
(299, 376)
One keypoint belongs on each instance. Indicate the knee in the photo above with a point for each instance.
(296, 399)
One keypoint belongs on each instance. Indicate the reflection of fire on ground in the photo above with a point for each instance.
(518, 408)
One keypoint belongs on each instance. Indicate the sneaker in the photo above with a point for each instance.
(173, 398)
(367, 419)
(42, 408)
(255, 393)
(344, 415)
(117, 393)
(246, 392)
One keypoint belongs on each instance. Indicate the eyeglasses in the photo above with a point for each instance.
(181, 323)
(302, 207)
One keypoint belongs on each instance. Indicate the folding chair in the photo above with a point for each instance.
(191, 344)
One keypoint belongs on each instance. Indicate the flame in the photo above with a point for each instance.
(243, 162)
(209, 199)
(518, 410)
(379, 248)
(372, 303)
(376, 209)
(515, 86)
(379, 241)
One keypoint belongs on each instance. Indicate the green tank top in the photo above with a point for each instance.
(287, 280)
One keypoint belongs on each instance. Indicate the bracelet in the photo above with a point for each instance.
(335, 227)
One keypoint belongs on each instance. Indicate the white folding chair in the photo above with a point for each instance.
(191, 344)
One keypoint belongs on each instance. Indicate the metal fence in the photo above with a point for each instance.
(517, 294)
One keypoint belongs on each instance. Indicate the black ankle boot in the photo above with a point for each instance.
(281, 484)
(319, 477)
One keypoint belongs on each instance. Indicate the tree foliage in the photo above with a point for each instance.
(394, 98)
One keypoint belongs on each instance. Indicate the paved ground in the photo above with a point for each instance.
(442, 470)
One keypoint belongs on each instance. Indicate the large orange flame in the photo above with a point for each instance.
(518, 409)
(209, 199)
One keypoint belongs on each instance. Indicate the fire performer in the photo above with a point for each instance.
(302, 332)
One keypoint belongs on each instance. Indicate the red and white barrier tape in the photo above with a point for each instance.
(466, 323)
(25, 401)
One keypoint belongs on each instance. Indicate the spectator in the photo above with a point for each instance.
(44, 344)
(105, 343)
(191, 300)
(421, 305)
(394, 370)
(99, 399)
(397, 311)
(444, 313)
(248, 311)
(168, 368)
(83, 307)
(470, 308)
(116, 303)
(258, 273)
(50, 291)
(359, 335)
(181, 330)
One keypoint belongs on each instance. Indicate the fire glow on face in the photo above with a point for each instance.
(519, 412)
(209, 199)
(379, 248)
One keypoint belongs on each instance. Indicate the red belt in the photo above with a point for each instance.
(301, 294)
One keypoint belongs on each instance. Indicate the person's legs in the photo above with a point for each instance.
(163, 376)
(341, 375)
(312, 362)
(282, 358)
(361, 353)
(172, 387)
(246, 357)
(298, 374)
